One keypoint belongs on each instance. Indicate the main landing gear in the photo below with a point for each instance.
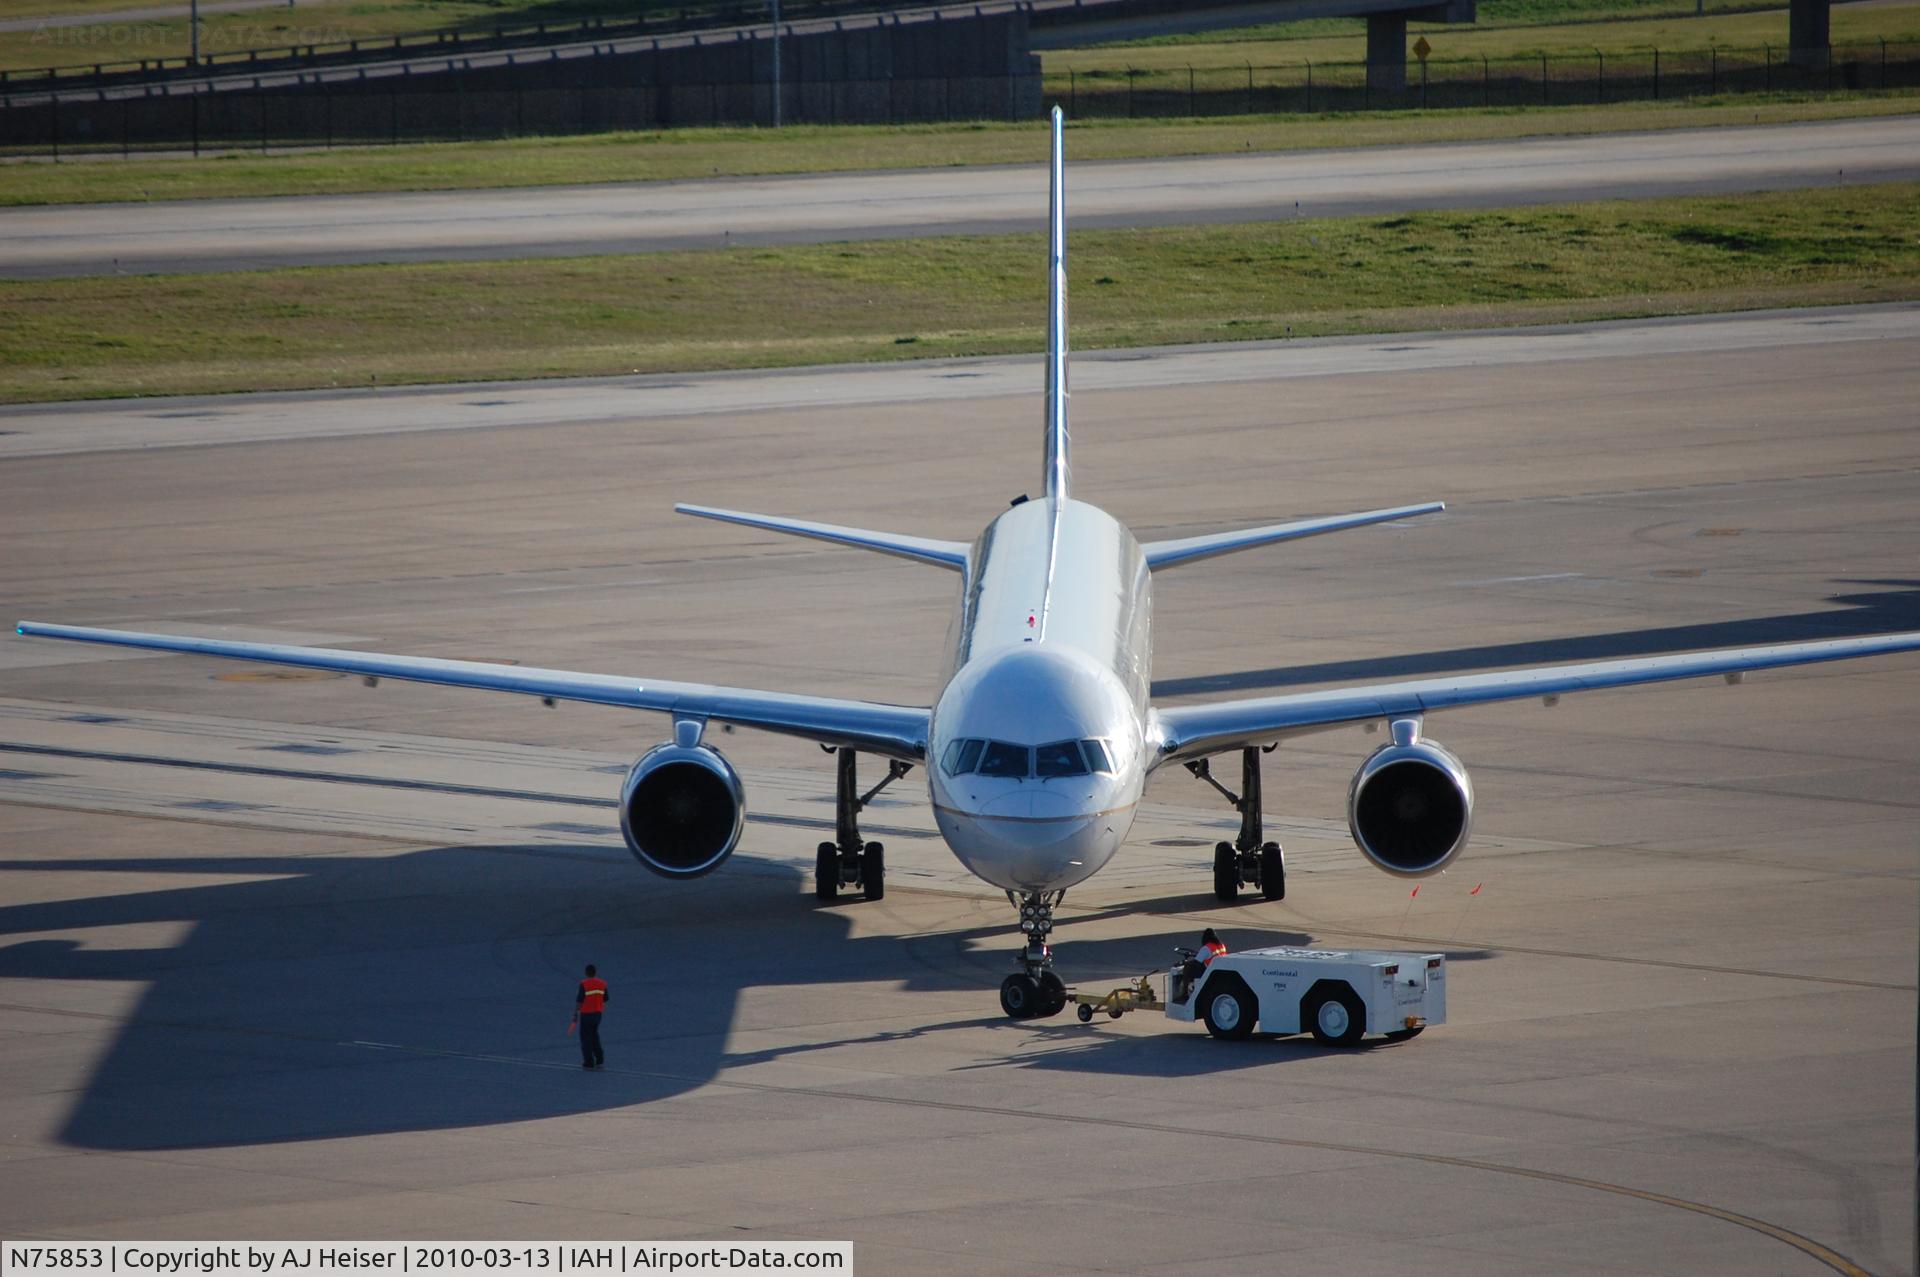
(1034, 991)
(847, 861)
(1246, 861)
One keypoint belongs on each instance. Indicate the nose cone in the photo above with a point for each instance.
(1030, 803)
(1017, 829)
(1013, 849)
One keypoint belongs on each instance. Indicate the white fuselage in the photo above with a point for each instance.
(1052, 651)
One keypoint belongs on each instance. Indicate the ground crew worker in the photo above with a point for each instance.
(1196, 966)
(588, 1003)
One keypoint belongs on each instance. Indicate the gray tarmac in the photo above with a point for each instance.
(284, 956)
(242, 234)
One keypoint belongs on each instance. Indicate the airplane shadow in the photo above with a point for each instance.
(310, 997)
(1887, 611)
(338, 995)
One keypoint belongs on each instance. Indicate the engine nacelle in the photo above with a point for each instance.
(682, 809)
(1411, 808)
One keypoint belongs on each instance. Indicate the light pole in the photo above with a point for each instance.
(193, 26)
(776, 62)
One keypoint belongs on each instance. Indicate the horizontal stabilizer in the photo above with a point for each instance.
(1167, 554)
(948, 554)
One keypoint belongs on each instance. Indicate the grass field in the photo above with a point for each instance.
(976, 295)
(693, 153)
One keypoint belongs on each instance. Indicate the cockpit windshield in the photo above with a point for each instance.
(1061, 758)
(962, 757)
(1020, 762)
(1002, 759)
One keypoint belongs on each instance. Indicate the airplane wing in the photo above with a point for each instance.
(893, 731)
(1195, 731)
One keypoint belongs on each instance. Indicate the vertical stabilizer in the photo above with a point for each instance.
(1056, 476)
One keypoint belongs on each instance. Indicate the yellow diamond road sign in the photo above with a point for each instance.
(1421, 48)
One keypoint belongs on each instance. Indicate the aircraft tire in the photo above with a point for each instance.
(1273, 872)
(1053, 994)
(1226, 875)
(873, 871)
(1019, 996)
(826, 872)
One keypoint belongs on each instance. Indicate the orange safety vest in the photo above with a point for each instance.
(1211, 951)
(593, 996)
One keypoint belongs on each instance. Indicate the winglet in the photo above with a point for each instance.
(1056, 476)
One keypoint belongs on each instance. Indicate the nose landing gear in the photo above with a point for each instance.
(1247, 861)
(1034, 991)
(847, 861)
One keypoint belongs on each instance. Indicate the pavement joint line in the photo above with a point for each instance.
(1805, 1245)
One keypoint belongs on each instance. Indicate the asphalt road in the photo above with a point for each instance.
(643, 217)
(293, 957)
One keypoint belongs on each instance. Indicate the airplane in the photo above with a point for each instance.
(1043, 735)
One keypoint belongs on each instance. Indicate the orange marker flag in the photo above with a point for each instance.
(1413, 893)
(1476, 888)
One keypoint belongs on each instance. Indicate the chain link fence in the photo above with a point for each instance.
(395, 110)
(1534, 80)
(447, 108)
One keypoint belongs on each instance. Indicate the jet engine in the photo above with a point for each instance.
(1410, 808)
(681, 809)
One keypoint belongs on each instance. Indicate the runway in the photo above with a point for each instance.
(1681, 1031)
(218, 235)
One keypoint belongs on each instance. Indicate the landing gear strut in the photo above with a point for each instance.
(1247, 861)
(1034, 991)
(847, 861)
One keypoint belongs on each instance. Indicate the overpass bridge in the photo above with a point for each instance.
(1050, 24)
(1084, 22)
(842, 61)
